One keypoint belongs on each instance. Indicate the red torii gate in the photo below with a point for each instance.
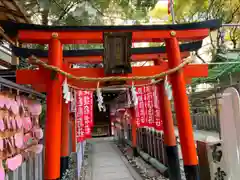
(56, 36)
(170, 139)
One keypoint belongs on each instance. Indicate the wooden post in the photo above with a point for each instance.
(134, 131)
(54, 109)
(64, 138)
(73, 132)
(182, 110)
(169, 133)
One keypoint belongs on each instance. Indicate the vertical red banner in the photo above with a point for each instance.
(157, 114)
(140, 108)
(149, 106)
(84, 114)
(87, 113)
(80, 134)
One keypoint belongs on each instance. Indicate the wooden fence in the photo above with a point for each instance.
(150, 142)
(29, 170)
(203, 122)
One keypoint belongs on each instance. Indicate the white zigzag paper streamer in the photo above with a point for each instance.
(168, 89)
(100, 100)
(134, 95)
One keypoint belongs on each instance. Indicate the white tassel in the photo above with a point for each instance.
(168, 89)
(68, 97)
(66, 91)
(65, 86)
(134, 95)
(100, 99)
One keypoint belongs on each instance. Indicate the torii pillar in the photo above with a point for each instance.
(54, 113)
(169, 133)
(182, 110)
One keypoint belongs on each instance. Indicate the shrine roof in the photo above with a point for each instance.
(221, 70)
(11, 10)
(12, 28)
(24, 52)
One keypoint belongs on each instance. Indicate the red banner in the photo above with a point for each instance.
(84, 114)
(80, 135)
(88, 112)
(149, 106)
(157, 114)
(140, 108)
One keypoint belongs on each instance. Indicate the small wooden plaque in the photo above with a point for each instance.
(117, 52)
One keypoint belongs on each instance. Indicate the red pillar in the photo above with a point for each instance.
(64, 137)
(182, 110)
(169, 133)
(134, 131)
(54, 109)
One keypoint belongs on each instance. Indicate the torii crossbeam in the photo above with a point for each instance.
(55, 36)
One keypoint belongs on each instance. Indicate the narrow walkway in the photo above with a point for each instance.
(108, 163)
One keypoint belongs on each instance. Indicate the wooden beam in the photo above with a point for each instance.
(85, 37)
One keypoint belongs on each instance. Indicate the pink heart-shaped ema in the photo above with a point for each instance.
(27, 139)
(2, 171)
(7, 102)
(27, 123)
(2, 101)
(18, 100)
(1, 144)
(19, 140)
(8, 121)
(14, 125)
(14, 107)
(2, 125)
(19, 122)
(36, 148)
(38, 133)
(14, 163)
(35, 108)
(24, 101)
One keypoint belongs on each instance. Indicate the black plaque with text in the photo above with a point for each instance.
(117, 52)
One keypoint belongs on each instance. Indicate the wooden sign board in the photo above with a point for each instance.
(117, 53)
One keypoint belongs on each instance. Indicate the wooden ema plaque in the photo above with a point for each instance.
(117, 53)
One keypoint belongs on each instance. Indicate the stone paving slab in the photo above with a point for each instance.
(107, 163)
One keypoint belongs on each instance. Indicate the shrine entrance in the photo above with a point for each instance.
(143, 83)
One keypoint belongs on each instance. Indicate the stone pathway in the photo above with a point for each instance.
(108, 163)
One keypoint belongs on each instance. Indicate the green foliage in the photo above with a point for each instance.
(199, 10)
(70, 172)
(86, 12)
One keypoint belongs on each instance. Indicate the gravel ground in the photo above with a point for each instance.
(146, 171)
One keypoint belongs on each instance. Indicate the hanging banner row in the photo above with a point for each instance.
(148, 108)
(147, 111)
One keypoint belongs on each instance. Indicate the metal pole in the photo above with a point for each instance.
(231, 25)
(172, 11)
